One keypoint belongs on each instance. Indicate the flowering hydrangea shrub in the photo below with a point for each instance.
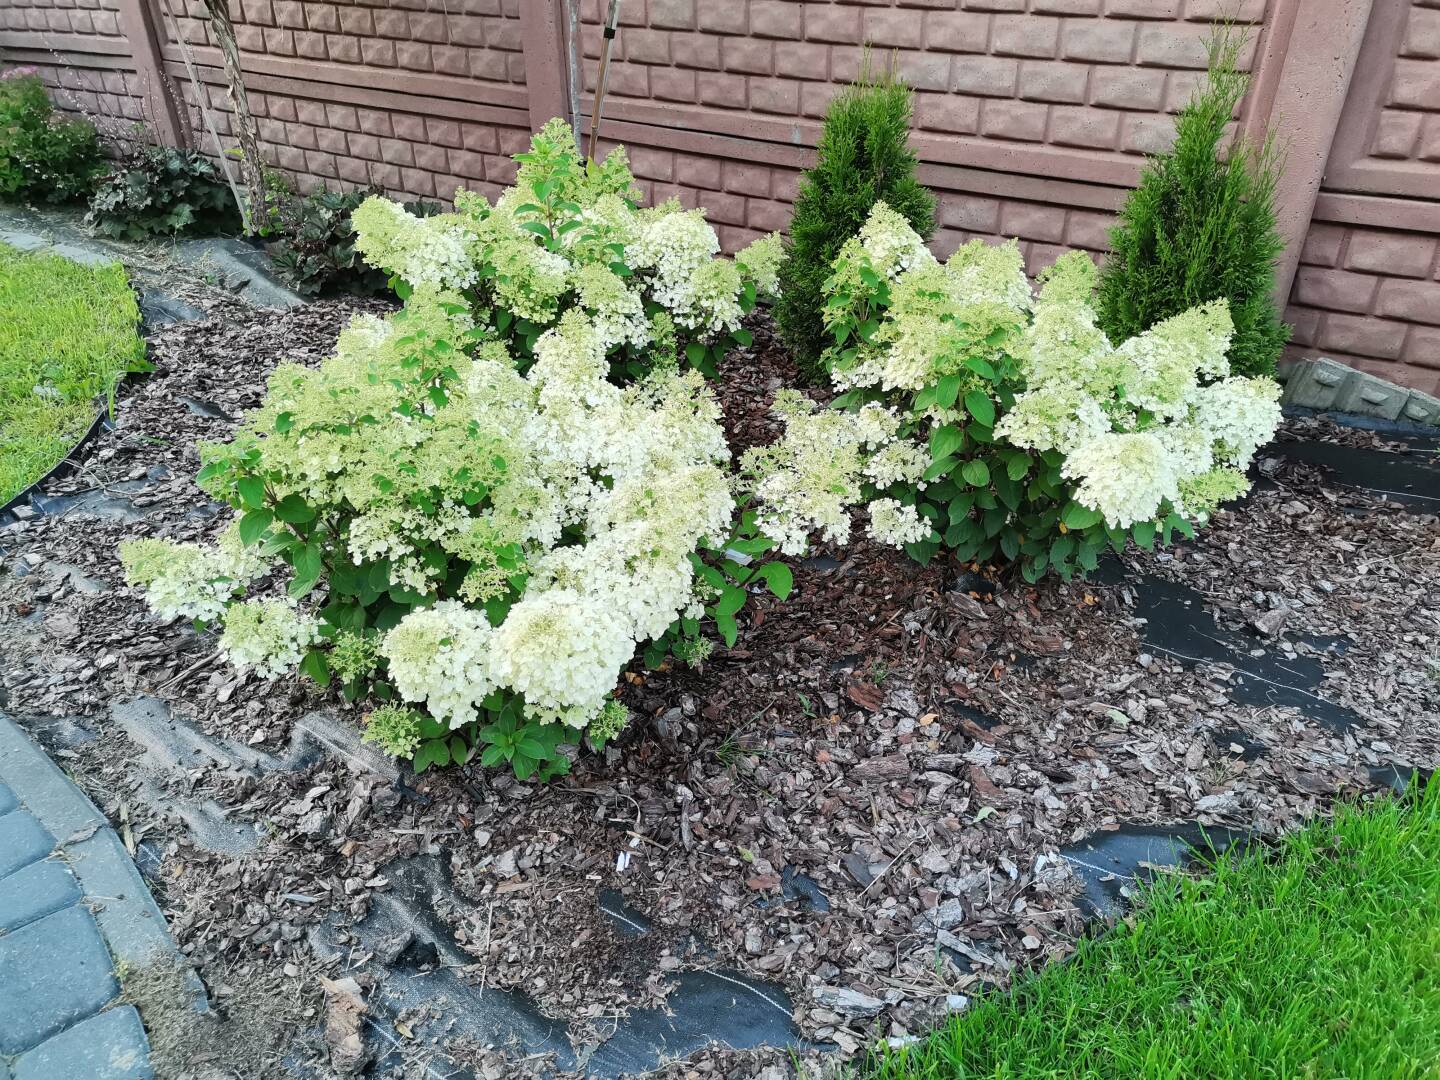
(570, 236)
(1022, 432)
(478, 509)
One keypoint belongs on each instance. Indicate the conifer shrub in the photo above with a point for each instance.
(863, 158)
(1201, 227)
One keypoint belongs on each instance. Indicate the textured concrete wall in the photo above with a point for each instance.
(1032, 116)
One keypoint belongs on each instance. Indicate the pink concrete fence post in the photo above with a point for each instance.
(547, 59)
(138, 21)
(1304, 76)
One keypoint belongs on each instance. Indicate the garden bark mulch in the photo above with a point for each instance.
(895, 754)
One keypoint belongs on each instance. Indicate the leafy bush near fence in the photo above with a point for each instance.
(43, 155)
(313, 243)
(161, 191)
(483, 504)
(862, 158)
(67, 337)
(1201, 227)
(1033, 439)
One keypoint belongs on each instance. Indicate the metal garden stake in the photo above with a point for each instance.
(612, 19)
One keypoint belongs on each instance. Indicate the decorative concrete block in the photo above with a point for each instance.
(38, 890)
(1369, 395)
(1325, 385)
(1315, 384)
(111, 1046)
(1421, 409)
(23, 840)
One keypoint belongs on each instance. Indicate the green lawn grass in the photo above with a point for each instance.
(1319, 960)
(67, 335)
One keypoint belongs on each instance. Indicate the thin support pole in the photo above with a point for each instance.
(612, 19)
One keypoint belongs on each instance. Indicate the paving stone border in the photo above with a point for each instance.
(74, 915)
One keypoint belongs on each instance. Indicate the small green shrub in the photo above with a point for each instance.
(314, 249)
(1201, 227)
(863, 158)
(161, 191)
(42, 154)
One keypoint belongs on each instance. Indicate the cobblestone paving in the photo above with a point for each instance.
(73, 912)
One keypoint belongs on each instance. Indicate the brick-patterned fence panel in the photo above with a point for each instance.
(1032, 117)
(403, 96)
(1031, 120)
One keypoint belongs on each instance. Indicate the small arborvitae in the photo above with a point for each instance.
(1201, 226)
(863, 158)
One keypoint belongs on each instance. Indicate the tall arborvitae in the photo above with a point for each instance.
(1201, 225)
(863, 157)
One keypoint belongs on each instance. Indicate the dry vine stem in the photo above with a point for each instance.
(246, 132)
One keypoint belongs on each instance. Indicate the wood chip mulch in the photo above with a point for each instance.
(909, 740)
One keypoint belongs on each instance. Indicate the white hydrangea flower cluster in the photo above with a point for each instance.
(617, 310)
(939, 315)
(1126, 475)
(1150, 424)
(808, 481)
(761, 261)
(562, 651)
(429, 251)
(678, 246)
(898, 462)
(187, 580)
(887, 243)
(896, 524)
(552, 242)
(440, 656)
(267, 636)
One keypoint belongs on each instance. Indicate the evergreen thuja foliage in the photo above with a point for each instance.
(1202, 226)
(863, 157)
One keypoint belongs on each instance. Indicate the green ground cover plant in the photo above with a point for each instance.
(1201, 226)
(43, 155)
(313, 241)
(863, 157)
(1315, 960)
(67, 336)
(161, 191)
